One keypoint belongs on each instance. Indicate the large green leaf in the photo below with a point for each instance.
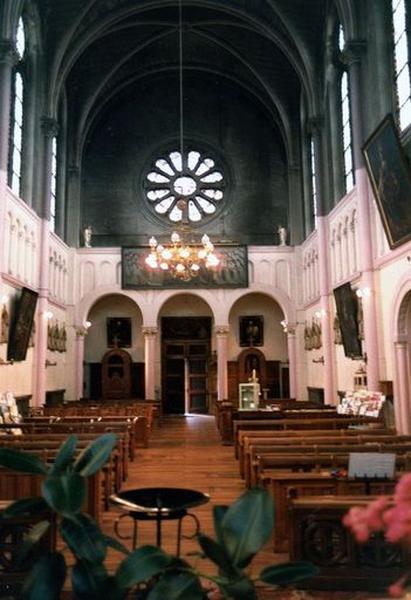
(95, 455)
(218, 516)
(31, 539)
(116, 545)
(177, 586)
(286, 573)
(217, 554)
(65, 455)
(21, 461)
(141, 565)
(247, 525)
(46, 579)
(84, 538)
(25, 506)
(89, 580)
(65, 493)
(242, 589)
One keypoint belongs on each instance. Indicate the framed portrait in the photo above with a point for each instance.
(119, 332)
(347, 310)
(21, 325)
(389, 173)
(251, 331)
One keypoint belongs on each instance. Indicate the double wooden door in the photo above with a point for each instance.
(185, 376)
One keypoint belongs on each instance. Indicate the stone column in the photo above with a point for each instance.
(402, 408)
(49, 129)
(72, 214)
(150, 337)
(292, 360)
(351, 56)
(8, 58)
(222, 332)
(81, 333)
(330, 391)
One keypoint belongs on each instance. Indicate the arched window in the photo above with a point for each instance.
(346, 121)
(17, 120)
(314, 198)
(401, 63)
(53, 186)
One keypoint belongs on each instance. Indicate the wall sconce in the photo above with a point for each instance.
(319, 360)
(363, 292)
(284, 325)
(319, 314)
(4, 299)
(82, 330)
(48, 315)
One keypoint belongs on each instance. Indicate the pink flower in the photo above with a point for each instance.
(363, 521)
(398, 522)
(396, 590)
(403, 489)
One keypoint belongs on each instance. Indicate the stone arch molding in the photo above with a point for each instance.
(399, 309)
(150, 303)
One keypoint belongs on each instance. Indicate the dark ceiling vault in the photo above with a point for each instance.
(260, 56)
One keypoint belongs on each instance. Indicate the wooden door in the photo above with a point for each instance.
(185, 377)
(116, 374)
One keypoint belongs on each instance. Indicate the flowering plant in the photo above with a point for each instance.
(391, 515)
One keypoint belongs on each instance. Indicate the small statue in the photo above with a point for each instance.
(87, 233)
(282, 234)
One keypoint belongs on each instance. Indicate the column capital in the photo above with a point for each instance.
(353, 52)
(49, 126)
(222, 330)
(149, 330)
(8, 53)
(81, 331)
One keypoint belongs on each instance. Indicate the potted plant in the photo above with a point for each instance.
(241, 530)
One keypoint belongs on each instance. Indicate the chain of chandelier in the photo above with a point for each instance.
(180, 258)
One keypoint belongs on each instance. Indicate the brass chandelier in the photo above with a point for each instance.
(182, 258)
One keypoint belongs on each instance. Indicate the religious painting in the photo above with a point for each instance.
(251, 331)
(118, 332)
(22, 324)
(347, 311)
(232, 272)
(389, 173)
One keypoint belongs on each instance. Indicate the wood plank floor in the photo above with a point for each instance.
(186, 452)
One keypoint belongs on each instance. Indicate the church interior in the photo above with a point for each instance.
(205, 246)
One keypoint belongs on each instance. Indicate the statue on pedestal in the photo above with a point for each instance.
(282, 235)
(87, 233)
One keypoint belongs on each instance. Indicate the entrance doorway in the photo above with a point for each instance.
(185, 364)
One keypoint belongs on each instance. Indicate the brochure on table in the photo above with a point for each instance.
(9, 412)
(362, 403)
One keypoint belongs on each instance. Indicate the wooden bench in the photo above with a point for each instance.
(317, 535)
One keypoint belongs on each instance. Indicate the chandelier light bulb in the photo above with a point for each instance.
(175, 237)
(195, 267)
(180, 268)
(164, 266)
(166, 254)
(202, 253)
(152, 242)
(205, 239)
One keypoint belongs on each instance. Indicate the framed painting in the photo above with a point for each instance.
(22, 324)
(119, 332)
(251, 331)
(347, 309)
(389, 173)
(231, 273)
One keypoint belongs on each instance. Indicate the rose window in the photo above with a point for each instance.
(196, 179)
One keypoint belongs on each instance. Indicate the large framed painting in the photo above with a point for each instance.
(347, 309)
(22, 324)
(251, 331)
(232, 272)
(389, 173)
(119, 332)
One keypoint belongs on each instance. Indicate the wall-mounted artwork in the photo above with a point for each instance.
(231, 273)
(389, 173)
(252, 331)
(347, 311)
(119, 332)
(22, 323)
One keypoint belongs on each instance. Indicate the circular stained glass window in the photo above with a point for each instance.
(196, 178)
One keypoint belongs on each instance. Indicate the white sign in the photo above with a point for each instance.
(371, 465)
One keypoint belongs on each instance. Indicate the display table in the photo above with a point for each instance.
(158, 504)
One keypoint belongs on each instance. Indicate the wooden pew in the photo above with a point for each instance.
(342, 562)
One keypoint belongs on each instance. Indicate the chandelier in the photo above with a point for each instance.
(182, 258)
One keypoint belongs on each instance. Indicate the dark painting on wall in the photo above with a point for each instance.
(231, 273)
(119, 332)
(251, 331)
(347, 309)
(389, 173)
(22, 323)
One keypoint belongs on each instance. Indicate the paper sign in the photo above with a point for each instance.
(371, 465)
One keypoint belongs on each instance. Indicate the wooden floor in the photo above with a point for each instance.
(186, 452)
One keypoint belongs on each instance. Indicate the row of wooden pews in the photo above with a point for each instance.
(303, 463)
